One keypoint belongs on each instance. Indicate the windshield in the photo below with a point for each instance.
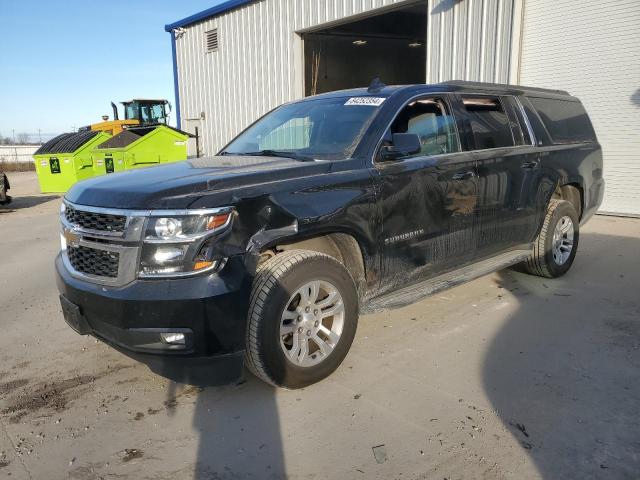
(131, 111)
(146, 113)
(322, 129)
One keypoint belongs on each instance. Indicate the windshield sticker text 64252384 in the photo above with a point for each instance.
(366, 101)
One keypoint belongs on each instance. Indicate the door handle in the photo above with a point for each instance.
(464, 175)
(530, 165)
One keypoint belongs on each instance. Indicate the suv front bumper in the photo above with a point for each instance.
(210, 311)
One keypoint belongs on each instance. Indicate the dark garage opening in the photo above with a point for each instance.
(390, 45)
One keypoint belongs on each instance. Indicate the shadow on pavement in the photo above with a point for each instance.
(564, 373)
(239, 433)
(18, 203)
(236, 418)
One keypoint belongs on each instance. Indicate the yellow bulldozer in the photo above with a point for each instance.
(137, 112)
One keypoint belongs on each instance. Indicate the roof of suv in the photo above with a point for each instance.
(451, 86)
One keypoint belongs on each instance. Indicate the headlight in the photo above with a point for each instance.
(168, 227)
(182, 244)
(185, 227)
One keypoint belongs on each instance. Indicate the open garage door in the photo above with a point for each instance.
(389, 45)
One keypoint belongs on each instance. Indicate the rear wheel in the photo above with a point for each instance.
(556, 247)
(302, 318)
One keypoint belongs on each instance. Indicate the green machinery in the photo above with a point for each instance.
(137, 112)
(66, 159)
(138, 147)
(71, 157)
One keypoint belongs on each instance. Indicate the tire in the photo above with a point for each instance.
(545, 261)
(277, 287)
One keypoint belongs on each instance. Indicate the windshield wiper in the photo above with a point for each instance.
(274, 153)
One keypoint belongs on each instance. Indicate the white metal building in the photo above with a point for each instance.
(241, 58)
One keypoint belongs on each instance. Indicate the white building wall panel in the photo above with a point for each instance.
(592, 49)
(470, 40)
(260, 62)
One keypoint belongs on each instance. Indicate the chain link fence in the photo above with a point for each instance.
(17, 158)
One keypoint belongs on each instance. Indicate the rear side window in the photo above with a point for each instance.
(566, 121)
(490, 124)
(518, 125)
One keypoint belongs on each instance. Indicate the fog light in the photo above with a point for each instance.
(173, 338)
(168, 254)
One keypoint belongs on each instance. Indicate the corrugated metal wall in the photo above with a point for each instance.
(470, 40)
(260, 60)
(592, 49)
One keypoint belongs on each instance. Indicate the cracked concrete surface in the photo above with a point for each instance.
(509, 376)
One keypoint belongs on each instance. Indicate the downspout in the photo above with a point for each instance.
(175, 76)
(517, 38)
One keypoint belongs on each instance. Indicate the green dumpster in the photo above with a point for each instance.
(66, 159)
(139, 147)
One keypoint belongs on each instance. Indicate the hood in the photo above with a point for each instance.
(179, 185)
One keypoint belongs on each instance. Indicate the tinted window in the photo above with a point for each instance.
(429, 118)
(539, 130)
(518, 125)
(566, 121)
(489, 123)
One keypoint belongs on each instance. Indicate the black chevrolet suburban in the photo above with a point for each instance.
(331, 206)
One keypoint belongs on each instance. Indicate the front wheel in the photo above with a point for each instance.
(555, 248)
(302, 318)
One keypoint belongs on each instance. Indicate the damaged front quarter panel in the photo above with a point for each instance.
(288, 210)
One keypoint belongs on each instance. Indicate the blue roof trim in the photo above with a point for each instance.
(176, 87)
(208, 13)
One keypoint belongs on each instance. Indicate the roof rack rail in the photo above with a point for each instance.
(489, 86)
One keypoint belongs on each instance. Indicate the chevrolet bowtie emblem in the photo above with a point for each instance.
(71, 238)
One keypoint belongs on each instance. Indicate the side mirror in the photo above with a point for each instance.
(404, 144)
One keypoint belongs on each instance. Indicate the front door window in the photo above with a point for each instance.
(430, 119)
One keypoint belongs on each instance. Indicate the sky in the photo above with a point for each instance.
(63, 61)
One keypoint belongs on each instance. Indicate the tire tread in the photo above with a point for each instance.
(537, 263)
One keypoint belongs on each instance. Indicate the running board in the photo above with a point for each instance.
(408, 295)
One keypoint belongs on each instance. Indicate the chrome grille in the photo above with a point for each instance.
(102, 244)
(101, 222)
(94, 262)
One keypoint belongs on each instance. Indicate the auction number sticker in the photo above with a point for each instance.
(366, 101)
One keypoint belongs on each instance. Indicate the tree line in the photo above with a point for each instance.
(20, 139)
(24, 138)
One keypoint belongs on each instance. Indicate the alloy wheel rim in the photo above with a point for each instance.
(312, 323)
(563, 240)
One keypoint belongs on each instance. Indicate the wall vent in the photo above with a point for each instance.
(212, 40)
